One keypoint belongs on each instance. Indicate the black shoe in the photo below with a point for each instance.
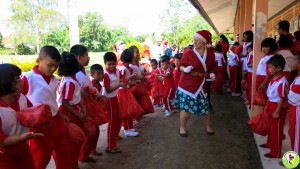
(89, 160)
(210, 133)
(263, 146)
(183, 134)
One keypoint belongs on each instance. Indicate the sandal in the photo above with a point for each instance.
(113, 151)
(89, 160)
(97, 153)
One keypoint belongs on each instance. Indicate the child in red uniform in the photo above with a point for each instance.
(128, 76)
(168, 85)
(40, 87)
(249, 73)
(111, 83)
(69, 100)
(176, 72)
(83, 78)
(233, 62)
(263, 76)
(97, 74)
(276, 107)
(294, 103)
(15, 152)
(155, 81)
(219, 82)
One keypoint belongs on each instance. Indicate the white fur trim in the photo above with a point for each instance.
(200, 37)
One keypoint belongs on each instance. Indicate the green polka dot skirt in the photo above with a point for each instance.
(198, 106)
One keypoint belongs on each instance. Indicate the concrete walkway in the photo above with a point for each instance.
(160, 146)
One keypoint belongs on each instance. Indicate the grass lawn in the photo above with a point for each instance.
(95, 57)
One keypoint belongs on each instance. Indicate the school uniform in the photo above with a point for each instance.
(114, 125)
(233, 71)
(245, 46)
(275, 92)
(294, 116)
(97, 134)
(41, 89)
(176, 77)
(249, 76)
(288, 56)
(126, 72)
(16, 156)
(217, 85)
(69, 89)
(156, 101)
(88, 145)
(168, 87)
(262, 72)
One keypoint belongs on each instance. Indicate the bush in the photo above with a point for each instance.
(24, 65)
(23, 49)
(135, 43)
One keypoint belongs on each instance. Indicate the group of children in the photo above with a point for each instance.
(68, 100)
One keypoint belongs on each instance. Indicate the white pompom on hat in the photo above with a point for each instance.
(204, 35)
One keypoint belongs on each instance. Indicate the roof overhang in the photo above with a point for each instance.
(220, 14)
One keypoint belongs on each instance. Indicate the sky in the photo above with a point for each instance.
(140, 16)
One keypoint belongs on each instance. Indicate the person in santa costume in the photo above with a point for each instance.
(196, 65)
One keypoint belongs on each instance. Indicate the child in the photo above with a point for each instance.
(233, 62)
(268, 47)
(83, 78)
(176, 72)
(249, 63)
(168, 85)
(276, 107)
(127, 75)
(15, 152)
(157, 84)
(111, 83)
(219, 82)
(285, 44)
(40, 88)
(294, 102)
(69, 100)
(97, 74)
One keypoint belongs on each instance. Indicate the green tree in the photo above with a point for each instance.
(1, 39)
(31, 18)
(58, 38)
(94, 33)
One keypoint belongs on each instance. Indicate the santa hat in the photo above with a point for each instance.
(204, 35)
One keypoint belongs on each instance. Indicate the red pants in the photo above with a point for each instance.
(88, 145)
(233, 80)
(127, 124)
(94, 148)
(219, 82)
(167, 98)
(294, 121)
(74, 119)
(157, 101)
(17, 156)
(276, 135)
(249, 91)
(57, 141)
(139, 100)
(114, 124)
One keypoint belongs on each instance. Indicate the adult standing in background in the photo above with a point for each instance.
(196, 65)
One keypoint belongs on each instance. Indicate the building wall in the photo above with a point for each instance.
(291, 14)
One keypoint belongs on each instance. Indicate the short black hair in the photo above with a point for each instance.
(96, 67)
(50, 51)
(165, 57)
(154, 61)
(222, 36)
(236, 43)
(249, 35)
(297, 35)
(79, 50)
(218, 48)
(173, 65)
(69, 65)
(178, 56)
(127, 56)
(133, 48)
(165, 61)
(110, 56)
(271, 43)
(8, 73)
(285, 41)
(284, 25)
(277, 60)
